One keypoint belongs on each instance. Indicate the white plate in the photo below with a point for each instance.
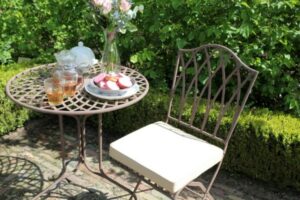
(94, 90)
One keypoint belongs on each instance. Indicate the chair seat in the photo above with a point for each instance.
(165, 155)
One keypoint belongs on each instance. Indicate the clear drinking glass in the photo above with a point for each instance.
(80, 79)
(66, 71)
(70, 77)
(57, 74)
(54, 90)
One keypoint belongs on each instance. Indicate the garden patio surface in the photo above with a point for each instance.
(30, 161)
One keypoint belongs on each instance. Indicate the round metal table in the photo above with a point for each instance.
(27, 90)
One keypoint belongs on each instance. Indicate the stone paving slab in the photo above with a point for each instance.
(30, 161)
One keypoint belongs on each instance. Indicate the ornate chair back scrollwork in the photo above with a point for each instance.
(210, 88)
(209, 80)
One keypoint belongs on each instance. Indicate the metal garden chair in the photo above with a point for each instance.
(210, 88)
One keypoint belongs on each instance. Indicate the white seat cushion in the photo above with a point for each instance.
(165, 155)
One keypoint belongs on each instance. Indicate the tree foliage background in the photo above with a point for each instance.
(264, 33)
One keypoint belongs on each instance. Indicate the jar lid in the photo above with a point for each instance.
(65, 58)
(84, 55)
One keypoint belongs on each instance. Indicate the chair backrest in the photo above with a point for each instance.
(211, 86)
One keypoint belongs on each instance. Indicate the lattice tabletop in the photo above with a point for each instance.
(27, 89)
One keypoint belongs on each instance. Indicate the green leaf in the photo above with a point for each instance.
(134, 59)
(245, 30)
(245, 4)
(122, 30)
(176, 3)
(131, 27)
(203, 79)
(293, 104)
(180, 43)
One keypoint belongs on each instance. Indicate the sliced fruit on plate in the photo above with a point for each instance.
(103, 85)
(99, 77)
(113, 81)
(124, 82)
(111, 85)
(111, 78)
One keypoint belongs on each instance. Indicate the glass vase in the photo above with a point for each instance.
(110, 61)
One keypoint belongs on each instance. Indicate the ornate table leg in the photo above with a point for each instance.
(100, 146)
(100, 134)
(101, 171)
(81, 132)
(62, 174)
(62, 140)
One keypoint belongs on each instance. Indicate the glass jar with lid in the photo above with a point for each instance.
(66, 72)
(85, 57)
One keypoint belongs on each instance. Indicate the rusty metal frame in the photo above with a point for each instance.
(245, 78)
(26, 89)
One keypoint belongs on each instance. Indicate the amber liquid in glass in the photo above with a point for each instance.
(70, 88)
(55, 97)
(79, 81)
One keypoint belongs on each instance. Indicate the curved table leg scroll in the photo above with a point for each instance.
(81, 132)
(101, 171)
(63, 173)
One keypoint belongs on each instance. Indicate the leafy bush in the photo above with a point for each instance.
(265, 34)
(265, 145)
(37, 29)
(11, 115)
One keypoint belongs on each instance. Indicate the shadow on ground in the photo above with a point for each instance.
(90, 196)
(66, 190)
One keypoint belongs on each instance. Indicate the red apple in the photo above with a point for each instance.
(124, 82)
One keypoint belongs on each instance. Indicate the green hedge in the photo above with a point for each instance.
(265, 145)
(11, 115)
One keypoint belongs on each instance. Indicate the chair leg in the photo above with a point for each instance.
(206, 194)
(213, 178)
(176, 195)
(135, 189)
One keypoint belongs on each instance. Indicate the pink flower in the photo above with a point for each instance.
(107, 6)
(125, 5)
(98, 2)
